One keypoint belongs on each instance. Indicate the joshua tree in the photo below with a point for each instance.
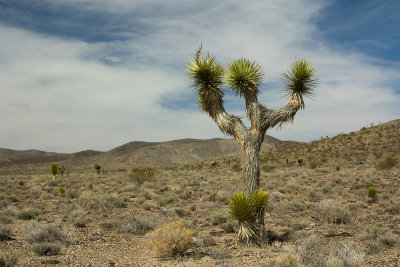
(62, 170)
(53, 169)
(97, 167)
(243, 77)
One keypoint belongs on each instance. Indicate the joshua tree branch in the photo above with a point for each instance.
(271, 118)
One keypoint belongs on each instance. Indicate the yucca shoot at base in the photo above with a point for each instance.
(247, 210)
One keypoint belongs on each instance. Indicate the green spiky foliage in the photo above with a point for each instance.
(244, 77)
(246, 210)
(260, 199)
(53, 169)
(242, 210)
(300, 80)
(207, 76)
(97, 167)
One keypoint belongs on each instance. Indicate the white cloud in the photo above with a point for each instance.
(77, 102)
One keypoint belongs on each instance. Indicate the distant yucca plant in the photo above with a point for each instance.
(62, 170)
(53, 169)
(372, 193)
(97, 167)
(300, 161)
(247, 210)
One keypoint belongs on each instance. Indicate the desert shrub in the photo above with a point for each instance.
(218, 217)
(179, 211)
(5, 232)
(39, 232)
(80, 218)
(140, 175)
(314, 196)
(99, 202)
(294, 204)
(309, 250)
(72, 193)
(171, 240)
(376, 236)
(128, 223)
(28, 213)
(299, 223)
(268, 168)
(10, 211)
(204, 240)
(228, 227)
(109, 224)
(276, 195)
(7, 214)
(46, 239)
(392, 206)
(236, 167)
(168, 199)
(387, 163)
(5, 219)
(372, 193)
(337, 168)
(213, 163)
(313, 164)
(8, 259)
(331, 212)
(288, 260)
(47, 248)
(21, 182)
(345, 255)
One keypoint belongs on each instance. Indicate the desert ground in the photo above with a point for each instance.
(337, 206)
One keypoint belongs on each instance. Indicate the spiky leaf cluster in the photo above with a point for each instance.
(207, 78)
(300, 80)
(53, 168)
(97, 167)
(244, 77)
(246, 210)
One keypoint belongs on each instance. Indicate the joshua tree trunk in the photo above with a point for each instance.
(251, 162)
(244, 79)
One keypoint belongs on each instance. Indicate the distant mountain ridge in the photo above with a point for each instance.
(132, 153)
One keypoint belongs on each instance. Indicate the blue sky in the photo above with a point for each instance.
(95, 74)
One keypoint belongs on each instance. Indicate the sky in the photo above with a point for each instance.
(96, 74)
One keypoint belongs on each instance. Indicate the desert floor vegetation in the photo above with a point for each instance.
(321, 212)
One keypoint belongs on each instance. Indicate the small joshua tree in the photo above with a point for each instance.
(300, 161)
(62, 170)
(53, 169)
(97, 167)
(244, 78)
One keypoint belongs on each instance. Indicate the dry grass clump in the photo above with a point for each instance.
(140, 175)
(130, 224)
(46, 239)
(377, 236)
(386, 164)
(344, 256)
(171, 240)
(90, 201)
(28, 213)
(8, 259)
(5, 232)
(80, 218)
(332, 212)
(288, 260)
